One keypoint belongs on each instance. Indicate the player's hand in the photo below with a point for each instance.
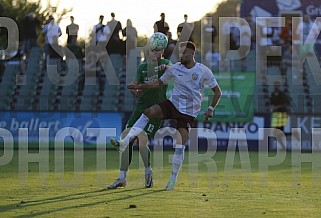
(133, 86)
(208, 113)
(136, 92)
(163, 67)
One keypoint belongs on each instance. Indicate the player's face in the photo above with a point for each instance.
(155, 55)
(185, 55)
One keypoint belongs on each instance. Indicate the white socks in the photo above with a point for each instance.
(122, 174)
(148, 170)
(177, 161)
(137, 128)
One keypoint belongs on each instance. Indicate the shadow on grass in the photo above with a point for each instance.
(74, 197)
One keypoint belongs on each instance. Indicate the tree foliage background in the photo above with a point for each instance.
(18, 9)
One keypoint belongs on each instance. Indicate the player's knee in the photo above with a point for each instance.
(147, 112)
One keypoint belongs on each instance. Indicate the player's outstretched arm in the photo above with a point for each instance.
(152, 85)
(135, 92)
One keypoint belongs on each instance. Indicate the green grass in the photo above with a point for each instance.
(217, 187)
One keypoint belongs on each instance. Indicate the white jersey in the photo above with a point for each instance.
(102, 32)
(188, 86)
(52, 32)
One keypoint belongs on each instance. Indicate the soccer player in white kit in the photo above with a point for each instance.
(189, 77)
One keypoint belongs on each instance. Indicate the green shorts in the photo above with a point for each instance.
(151, 127)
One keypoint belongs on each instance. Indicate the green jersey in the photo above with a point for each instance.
(148, 72)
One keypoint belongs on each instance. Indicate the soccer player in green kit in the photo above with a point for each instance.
(150, 70)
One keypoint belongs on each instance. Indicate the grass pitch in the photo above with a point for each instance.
(215, 186)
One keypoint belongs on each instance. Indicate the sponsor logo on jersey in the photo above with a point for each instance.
(150, 79)
(194, 76)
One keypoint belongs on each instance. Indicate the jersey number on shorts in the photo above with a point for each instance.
(150, 128)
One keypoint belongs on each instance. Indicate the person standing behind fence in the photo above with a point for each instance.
(161, 25)
(72, 31)
(131, 35)
(52, 31)
(115, 44)
(187, 28)
(101, 33)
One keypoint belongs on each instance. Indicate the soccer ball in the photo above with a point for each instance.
(158, 41)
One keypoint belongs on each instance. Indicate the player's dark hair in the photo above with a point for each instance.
(188, 44)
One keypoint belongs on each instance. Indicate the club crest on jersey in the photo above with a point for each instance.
(194, 76)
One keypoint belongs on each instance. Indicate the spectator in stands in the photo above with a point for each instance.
(30, 24)
(115, 44)
(131, 35)
(280, 103)
(101, 32)
(187, 28)
(72, 31)
(161, 25)
(52, 31)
